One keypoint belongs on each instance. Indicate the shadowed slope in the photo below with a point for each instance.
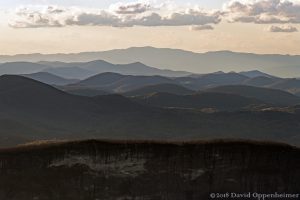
(218, 101)
(45, 112)
(212, 80)
(272, 96)
(168, 88)
(50, 79)
(261, 81)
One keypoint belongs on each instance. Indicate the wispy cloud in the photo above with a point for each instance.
(201, 28)
(131, 8)
(282, 29)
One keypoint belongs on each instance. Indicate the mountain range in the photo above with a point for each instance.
(83, 70)
(59, 73)
(118, 83)
(122, 83)
(31, 110)
(51, 99)
(148, 123)
(175, 59)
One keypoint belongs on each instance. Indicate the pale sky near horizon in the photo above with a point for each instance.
(34, 26)
(100, 4)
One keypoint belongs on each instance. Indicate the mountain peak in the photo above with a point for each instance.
(255, 73)
(138, 63)
(101, 62)
(15, 87)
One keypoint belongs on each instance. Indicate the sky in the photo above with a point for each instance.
(100, 4)
(65, 26)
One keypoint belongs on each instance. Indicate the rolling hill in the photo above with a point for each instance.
(206, 100)
(83, 70)
(122, 83)
(101, 66)
(49, 111)
(261, 81)
(212, 80)
(119, 83)
(158, 88)
(292, 85)
(254, 78)
(135, 68)
(31, 110)
(256, 73)
(70, 72)
(272, 96)
(50, 79)
(83, 91)
(23, 94)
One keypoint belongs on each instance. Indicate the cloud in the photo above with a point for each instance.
(166, 14)
(130, 8)
(201, 28)
(282, 29)
(127, 15)
(49, 16)
(263, 11)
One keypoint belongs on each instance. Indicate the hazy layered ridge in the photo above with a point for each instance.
(149, 170)
(175, 59)
(50, 79)
(83, 70)
(140, 85)
(58, 73)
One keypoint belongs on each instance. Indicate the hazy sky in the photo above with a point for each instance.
(53, 26)
(102, 3)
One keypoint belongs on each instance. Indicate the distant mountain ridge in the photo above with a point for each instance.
(83, 70)
(255, 73)
(120, 83)
(176, 59)
(21, 68)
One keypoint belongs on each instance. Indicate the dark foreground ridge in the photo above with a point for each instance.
(109, 170)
